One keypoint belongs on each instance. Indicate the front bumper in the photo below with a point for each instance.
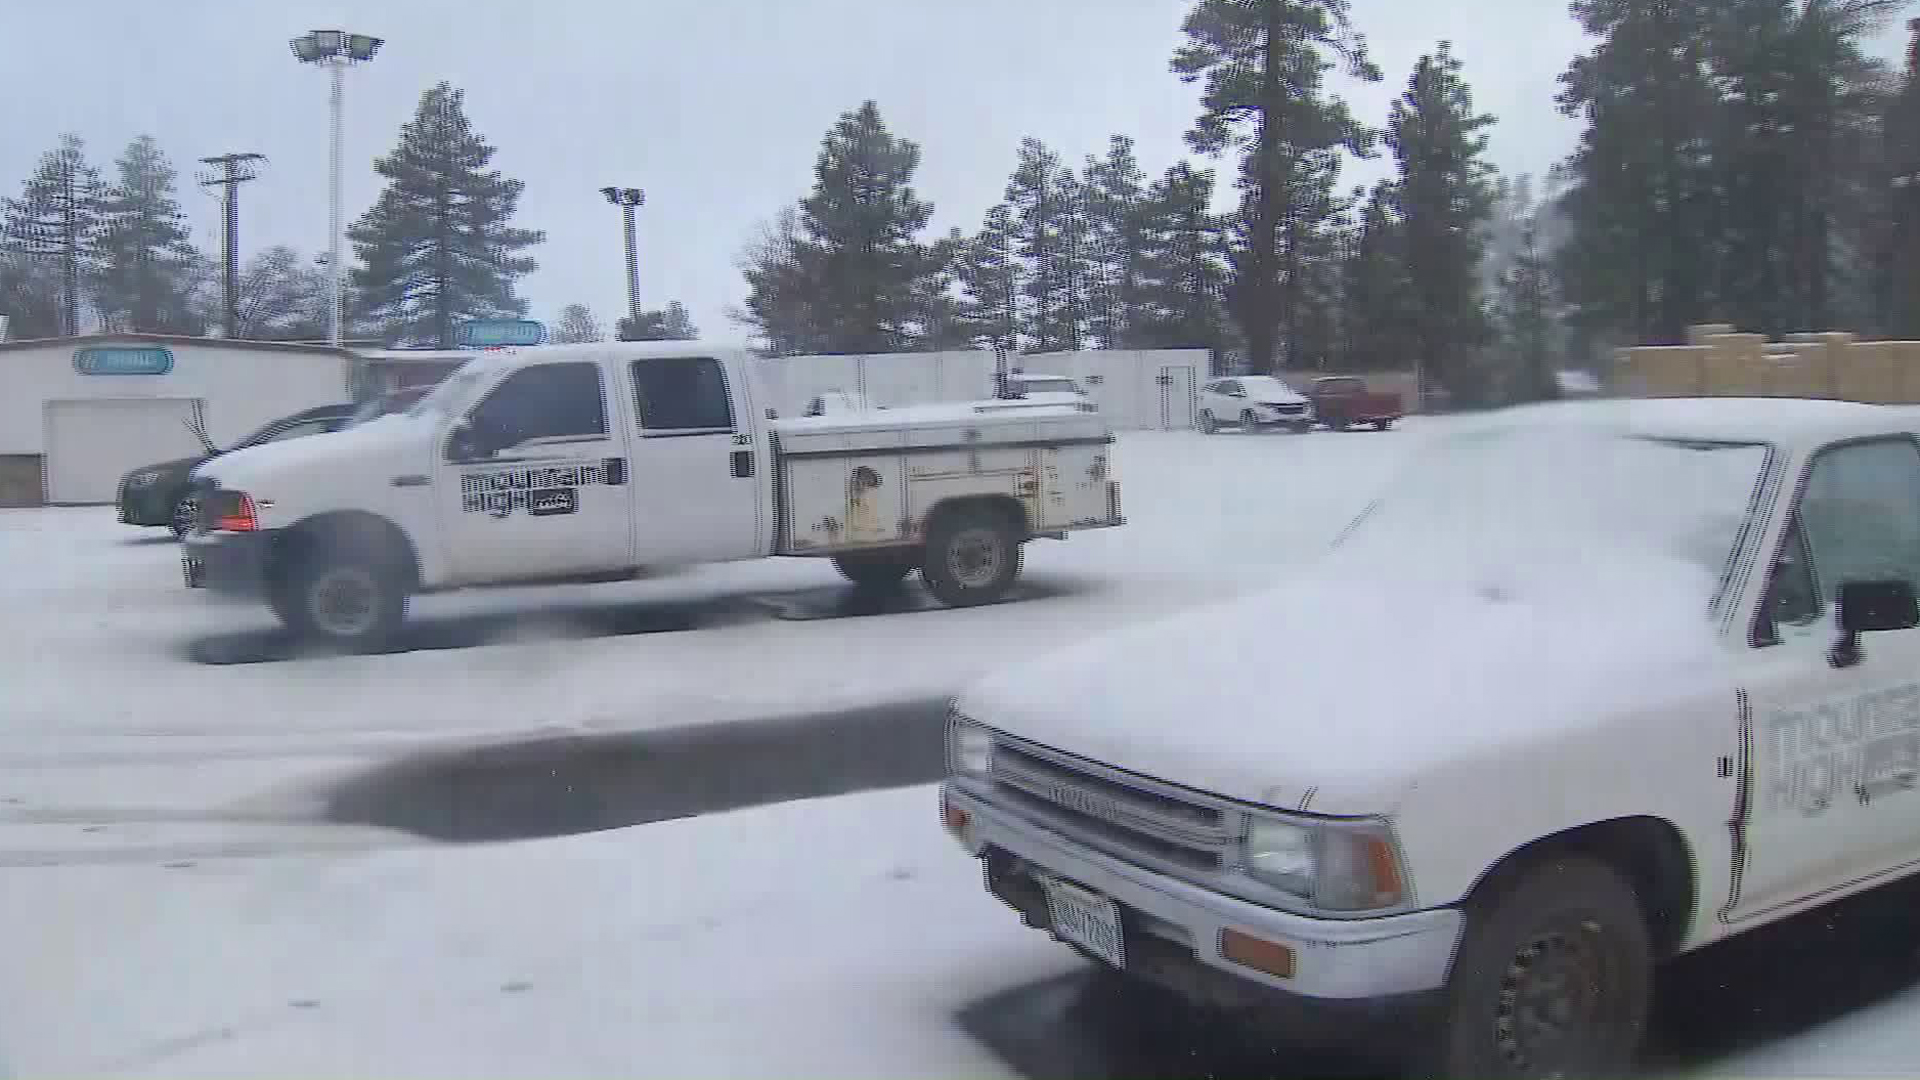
(1275, 418)
(227, 562)
(1403, 958)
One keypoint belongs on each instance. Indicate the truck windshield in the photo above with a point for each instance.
(454, 394)
(1546, 500)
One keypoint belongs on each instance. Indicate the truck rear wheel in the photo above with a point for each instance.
(877, 571)
(343, 601)
(1553, 977)
(972, 557)
(1382, 425)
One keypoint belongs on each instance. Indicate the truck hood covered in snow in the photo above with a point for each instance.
(388, 440)
(1501, 602)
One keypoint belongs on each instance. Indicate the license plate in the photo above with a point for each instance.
(1087, 919)
(191, 570)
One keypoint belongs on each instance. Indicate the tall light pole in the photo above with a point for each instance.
(334, 50)
(628, 200)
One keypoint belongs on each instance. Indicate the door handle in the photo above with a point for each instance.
(742, 464)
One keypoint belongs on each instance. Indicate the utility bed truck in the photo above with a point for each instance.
(590, 462)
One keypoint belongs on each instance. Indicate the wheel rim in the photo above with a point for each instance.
(1553, 1007)
(183, 514)
(973, 558)
(1206, 421)
(344, 601)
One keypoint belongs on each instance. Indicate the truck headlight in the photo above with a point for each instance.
(1335, 866)
(969, 748)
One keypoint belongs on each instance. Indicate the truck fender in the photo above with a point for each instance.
(358, 531)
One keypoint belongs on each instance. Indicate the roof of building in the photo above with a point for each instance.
(170, 339)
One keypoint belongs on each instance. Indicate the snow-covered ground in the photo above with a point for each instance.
(170, 903)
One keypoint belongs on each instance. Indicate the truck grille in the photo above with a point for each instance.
(1129, 817)
(1290, 410)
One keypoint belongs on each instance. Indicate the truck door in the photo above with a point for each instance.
(697, 475)
(534, 481)
(1833, 753)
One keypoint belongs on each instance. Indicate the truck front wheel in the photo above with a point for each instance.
(972, 557)
(343, 601)
(877, 571)
(1552, 978)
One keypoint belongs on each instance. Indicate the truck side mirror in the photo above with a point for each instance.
(466, 442)
(1871, 607)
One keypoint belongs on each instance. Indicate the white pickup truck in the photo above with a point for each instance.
(590, 462)
(1595, 685)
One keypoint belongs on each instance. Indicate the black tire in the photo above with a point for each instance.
(343, 601)
(1337, 425)
(1564, 944)
(972, 557)
(180, 517)
(1301, 429)
(1206, 423)
(878, 571)
(1382, 425)
(1248, 424)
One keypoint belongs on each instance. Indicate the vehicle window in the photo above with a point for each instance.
(546, 401)
(1860, 514)
(681, 395)
(1230, 387)
(1791, 598)
(1341, 386)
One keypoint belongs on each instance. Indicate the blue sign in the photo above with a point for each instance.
(146, 360)
(497, 333)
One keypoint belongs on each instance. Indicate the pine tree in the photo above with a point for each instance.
(148, 267)
(29, 295)
(57, 218)
(1049, 234)
(1183, 265)
(577, 326)
(1445, 197)
(1639, 262)
(989, 274)
(1375, 288)
(1896, 288)
(436, 246)
(782, 299)
(1116, 244)
(1264, 63)
(1526, 352)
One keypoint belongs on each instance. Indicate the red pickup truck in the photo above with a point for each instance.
(1343, 401)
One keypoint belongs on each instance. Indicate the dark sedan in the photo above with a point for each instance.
(159, 494)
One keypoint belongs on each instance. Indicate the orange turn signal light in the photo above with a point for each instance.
(1257, 953)
(955, 818)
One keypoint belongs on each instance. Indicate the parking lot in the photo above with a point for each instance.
(222, 857)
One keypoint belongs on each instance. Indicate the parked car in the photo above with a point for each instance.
(1046, 389)
(1343, 401)
(1639, 678)
(1253, 403)
(155, 495)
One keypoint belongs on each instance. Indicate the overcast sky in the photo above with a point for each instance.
(715, 108)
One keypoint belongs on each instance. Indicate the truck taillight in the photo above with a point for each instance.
(237, 514)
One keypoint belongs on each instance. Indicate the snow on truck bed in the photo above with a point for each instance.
(941, 425)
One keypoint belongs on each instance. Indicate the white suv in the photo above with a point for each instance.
(1251, 403)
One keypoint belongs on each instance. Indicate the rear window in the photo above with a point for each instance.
(1342, 386)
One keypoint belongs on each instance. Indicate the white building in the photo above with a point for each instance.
(78, 413)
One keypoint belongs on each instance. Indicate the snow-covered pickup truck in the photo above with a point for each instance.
(590, 462)
(1595, 684)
